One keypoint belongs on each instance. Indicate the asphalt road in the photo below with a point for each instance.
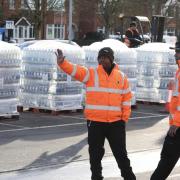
(40, 145)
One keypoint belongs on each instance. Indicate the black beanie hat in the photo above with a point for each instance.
(107, 52)
(133, 24)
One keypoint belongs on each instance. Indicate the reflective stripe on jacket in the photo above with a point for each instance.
(108, 98)
(175, 102)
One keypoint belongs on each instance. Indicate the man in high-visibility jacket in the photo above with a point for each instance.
(171, 149)
(107, 109)
(132, 36)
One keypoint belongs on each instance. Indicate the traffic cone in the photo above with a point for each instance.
(171, 86)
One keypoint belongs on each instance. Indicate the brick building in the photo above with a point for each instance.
(14, 24)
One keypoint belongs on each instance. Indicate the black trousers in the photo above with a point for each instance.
(169, 156)
(116, 136)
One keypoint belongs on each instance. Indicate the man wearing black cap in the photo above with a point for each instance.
(171, 149)
(132, 36)
(107, 109)
(106, 59)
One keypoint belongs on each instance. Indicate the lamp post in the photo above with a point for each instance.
(121, 15)
(70, 21)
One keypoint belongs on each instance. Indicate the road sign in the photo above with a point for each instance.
(9, 24)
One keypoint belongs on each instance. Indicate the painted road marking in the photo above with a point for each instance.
(174, 175)
(73, 117)
(6, 124)
(143, 117)
(147, 113)
(42, 127)
(64, 125)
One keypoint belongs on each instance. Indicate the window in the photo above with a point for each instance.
(24, 32)
(24, 4)
(20, 31)
(15, 32)
(31, 32)
(171, 11)
(55, 31)
(101, 29)
(11, 4)
(171, 31)
(50, 31)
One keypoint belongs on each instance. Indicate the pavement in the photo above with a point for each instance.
(141, 162)
(43, 147)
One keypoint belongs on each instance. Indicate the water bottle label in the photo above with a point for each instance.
(68, 79)
(45, 77)
(1, 83)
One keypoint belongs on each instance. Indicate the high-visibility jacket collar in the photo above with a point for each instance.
(100, 68)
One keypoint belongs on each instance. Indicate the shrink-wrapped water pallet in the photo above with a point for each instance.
(45, 86)
(10, 65)
(123, 56)
(156, 68)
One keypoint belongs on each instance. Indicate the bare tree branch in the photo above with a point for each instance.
(37, 11)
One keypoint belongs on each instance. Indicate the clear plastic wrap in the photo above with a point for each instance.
(156, 68)
(10, 69)
(42, 80)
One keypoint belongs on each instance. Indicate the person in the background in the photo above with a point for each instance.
(132, 36)
(171, 149)
(107, 109)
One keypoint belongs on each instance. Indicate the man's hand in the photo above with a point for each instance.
(60, 57)
(172, 130)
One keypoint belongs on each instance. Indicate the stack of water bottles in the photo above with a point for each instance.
(44, 85)
(156, 67)
(10, 64)
(123, 56)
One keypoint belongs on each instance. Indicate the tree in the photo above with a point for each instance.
(176, 8)
(1, 11)
(37, 12)
(172, 10)
(111, 9)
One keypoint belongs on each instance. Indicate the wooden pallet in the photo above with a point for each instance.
(54, 112)
(22, 109)
(150, 102)
(48, 111)
(162, 104)
(135, 106)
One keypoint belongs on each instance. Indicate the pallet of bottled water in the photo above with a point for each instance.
(10, 68)
(44, 85)
(123, 56)
(156, 53)
(52, 102)
(156, 68)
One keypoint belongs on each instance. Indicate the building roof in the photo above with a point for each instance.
(23, 21)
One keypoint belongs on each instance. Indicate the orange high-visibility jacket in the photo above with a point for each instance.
(126, 39)
(108, 98)
(174, 107)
